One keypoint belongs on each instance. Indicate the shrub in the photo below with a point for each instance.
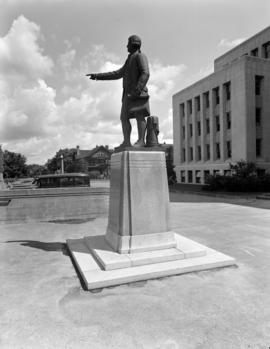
(246, 177)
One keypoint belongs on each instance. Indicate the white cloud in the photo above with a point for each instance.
(166, 128)
(28, 112)
(162, 84)
(66, 60)
(20, 55)
(230, 44)
(163, 80)
(37, 119)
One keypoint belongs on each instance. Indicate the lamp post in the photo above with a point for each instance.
(62, 163)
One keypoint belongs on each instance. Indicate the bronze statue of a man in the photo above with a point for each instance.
(135, 98)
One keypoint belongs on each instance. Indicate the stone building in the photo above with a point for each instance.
(225, 117)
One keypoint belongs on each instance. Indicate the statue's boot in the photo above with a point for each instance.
(140, 143)
(141, 124)
(126, 128)
(123, 146)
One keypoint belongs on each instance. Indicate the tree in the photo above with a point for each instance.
(246, 176)
(35, 170)
(70, 162)
(14, 165)
(77, 166)
(244, 169)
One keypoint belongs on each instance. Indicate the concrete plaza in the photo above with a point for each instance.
(43, 304)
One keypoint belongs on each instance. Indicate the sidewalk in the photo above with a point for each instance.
(194, 193)
(43, 304)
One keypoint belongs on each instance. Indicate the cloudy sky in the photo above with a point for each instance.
(47, 47)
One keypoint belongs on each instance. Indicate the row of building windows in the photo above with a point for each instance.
(217, 151)
(207, 152)
(216, 96)
(199, 175)
(265, 51)
(207, 125)
(258, 120)
(206, 100)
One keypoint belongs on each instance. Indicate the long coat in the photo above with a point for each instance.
(135, 74)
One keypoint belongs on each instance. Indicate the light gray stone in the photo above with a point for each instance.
(95, 276)
(139, 244)
(139, 203)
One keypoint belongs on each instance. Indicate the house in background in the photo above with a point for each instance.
(97, 160)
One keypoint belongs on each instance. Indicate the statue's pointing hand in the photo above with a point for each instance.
(92, 76)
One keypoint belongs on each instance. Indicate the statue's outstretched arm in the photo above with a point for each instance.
(113, 75)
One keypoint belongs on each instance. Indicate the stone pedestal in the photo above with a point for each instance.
(139, 203)
(138, 244)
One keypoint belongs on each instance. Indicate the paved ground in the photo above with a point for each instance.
(42, 303)
(193, 193)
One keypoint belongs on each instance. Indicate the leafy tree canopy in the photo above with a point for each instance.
(14, 165)
(35, 170)
(71, 164)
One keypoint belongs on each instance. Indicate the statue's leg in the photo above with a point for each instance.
(141, 125)
(126, 125)
(126, 128)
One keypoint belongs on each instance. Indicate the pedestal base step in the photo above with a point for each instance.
(189, 256)
(110, 260)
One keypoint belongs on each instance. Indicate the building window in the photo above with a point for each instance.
(184, 154)
(255, 52)
(206, 99)
(190, 130)
(191, 153)
(216, 95)
(217, 123)
(207, 126)
(217, 150)
(199, 153)
(182, 110)
(258, 85)
(266, 50)
(190, 177)
(183, 132)
(258, 116)
(198, 176)
(183, 176)
(198, 103)
(227, 89)
(229, 149)
(199, 128)
(189, 103)
(261, 172)
(228, 120)
(258, 147)
(207, 151)
(216, 172)
(227, 173)
(206, 175)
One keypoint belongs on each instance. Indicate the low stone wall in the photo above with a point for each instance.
(54, 204)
